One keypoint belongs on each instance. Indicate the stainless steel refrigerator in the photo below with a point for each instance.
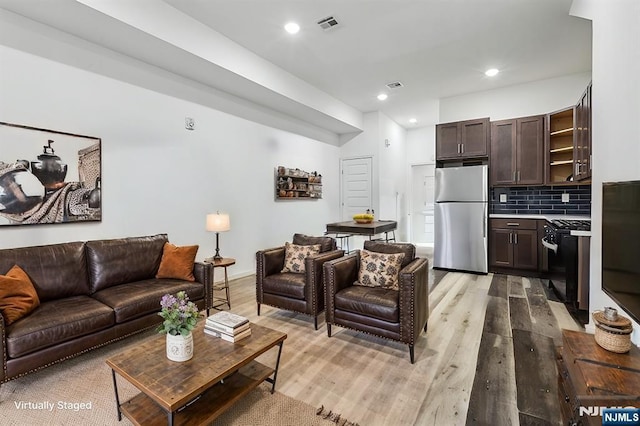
(461, 215)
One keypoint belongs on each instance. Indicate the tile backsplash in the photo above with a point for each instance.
(542, 200)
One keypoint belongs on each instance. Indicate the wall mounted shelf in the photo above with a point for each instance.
(296, 184)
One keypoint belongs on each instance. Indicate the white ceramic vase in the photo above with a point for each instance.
(180, 348)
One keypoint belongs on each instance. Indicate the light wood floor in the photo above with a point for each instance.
(371, 381)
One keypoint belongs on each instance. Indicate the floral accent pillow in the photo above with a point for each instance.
(379, 269)
(295, 255)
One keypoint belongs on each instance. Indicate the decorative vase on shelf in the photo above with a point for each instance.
(179, 347)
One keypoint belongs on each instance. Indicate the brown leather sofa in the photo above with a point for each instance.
(91, 294)
(393, 314)
(298, 292)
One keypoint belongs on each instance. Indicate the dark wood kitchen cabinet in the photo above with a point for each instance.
(517, 151)
(561, 144)
(514, 243)
(582, 141)
(568, 143)
(462, 139)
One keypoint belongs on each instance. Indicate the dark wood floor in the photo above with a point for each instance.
(520, 334)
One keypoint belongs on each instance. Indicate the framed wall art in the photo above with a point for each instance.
(48, 176)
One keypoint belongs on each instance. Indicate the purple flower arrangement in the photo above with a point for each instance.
(179, 314)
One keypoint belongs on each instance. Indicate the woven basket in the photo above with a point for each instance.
(614, 336)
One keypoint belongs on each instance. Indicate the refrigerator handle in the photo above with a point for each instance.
(485, 224)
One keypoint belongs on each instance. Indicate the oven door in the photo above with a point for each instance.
(552, 260)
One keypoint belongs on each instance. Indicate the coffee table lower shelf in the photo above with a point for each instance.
(142, 410)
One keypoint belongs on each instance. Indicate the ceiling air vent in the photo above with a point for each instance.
(328, 23)
(394, 85)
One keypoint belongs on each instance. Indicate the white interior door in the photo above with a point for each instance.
(422, 202)
(356, 186)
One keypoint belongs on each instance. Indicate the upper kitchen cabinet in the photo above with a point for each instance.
(561, 142)
(517, 151)
(582, 147)
(462, 140)
(569, 143)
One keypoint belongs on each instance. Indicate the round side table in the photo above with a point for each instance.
(219, 301)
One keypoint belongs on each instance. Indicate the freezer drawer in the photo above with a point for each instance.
(461, 237)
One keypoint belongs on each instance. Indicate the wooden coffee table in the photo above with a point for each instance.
(199, 390)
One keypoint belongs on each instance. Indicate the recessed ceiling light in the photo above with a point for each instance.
(292, 28)
(413, 120)
(382, 96)
(492, 72)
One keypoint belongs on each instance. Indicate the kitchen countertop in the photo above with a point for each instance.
(548, 217)
(539, 216)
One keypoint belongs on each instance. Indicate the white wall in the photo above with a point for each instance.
(421, 145)
(616, 111)
(538, 97)
(389, 164)
(392, 148)
(159, 177)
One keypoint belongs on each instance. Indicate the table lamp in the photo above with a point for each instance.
(218, 222)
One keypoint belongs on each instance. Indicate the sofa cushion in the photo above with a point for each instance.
(55, 322)
(123, 260)
(379, 269)
(294, 256)
(177, 262)
(18, 297)
(326, 243)
(285, 284)
(136, 299)
(376, 302)
(57, 271)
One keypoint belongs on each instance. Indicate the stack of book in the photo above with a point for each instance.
(227, 326)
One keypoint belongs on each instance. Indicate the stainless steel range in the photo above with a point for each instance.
(562, 259)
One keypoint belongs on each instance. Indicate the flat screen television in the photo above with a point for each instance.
(621, 244)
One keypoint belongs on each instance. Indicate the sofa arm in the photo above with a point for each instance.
(313, 270)
(203, 273)
(414, 299)
(339, 274)
(269, 261)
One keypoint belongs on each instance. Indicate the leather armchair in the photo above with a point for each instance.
(393, 314)
(298, 292)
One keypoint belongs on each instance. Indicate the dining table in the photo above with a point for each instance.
(346, 229)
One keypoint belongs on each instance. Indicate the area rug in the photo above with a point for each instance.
(80, 392)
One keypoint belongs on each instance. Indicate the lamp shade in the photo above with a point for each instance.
(218, 222)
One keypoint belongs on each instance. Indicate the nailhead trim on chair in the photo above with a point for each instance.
(4, 350)
(314, 293)
(290, 310)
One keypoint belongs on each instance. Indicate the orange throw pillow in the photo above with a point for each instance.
(177, 262)
(18, 297)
